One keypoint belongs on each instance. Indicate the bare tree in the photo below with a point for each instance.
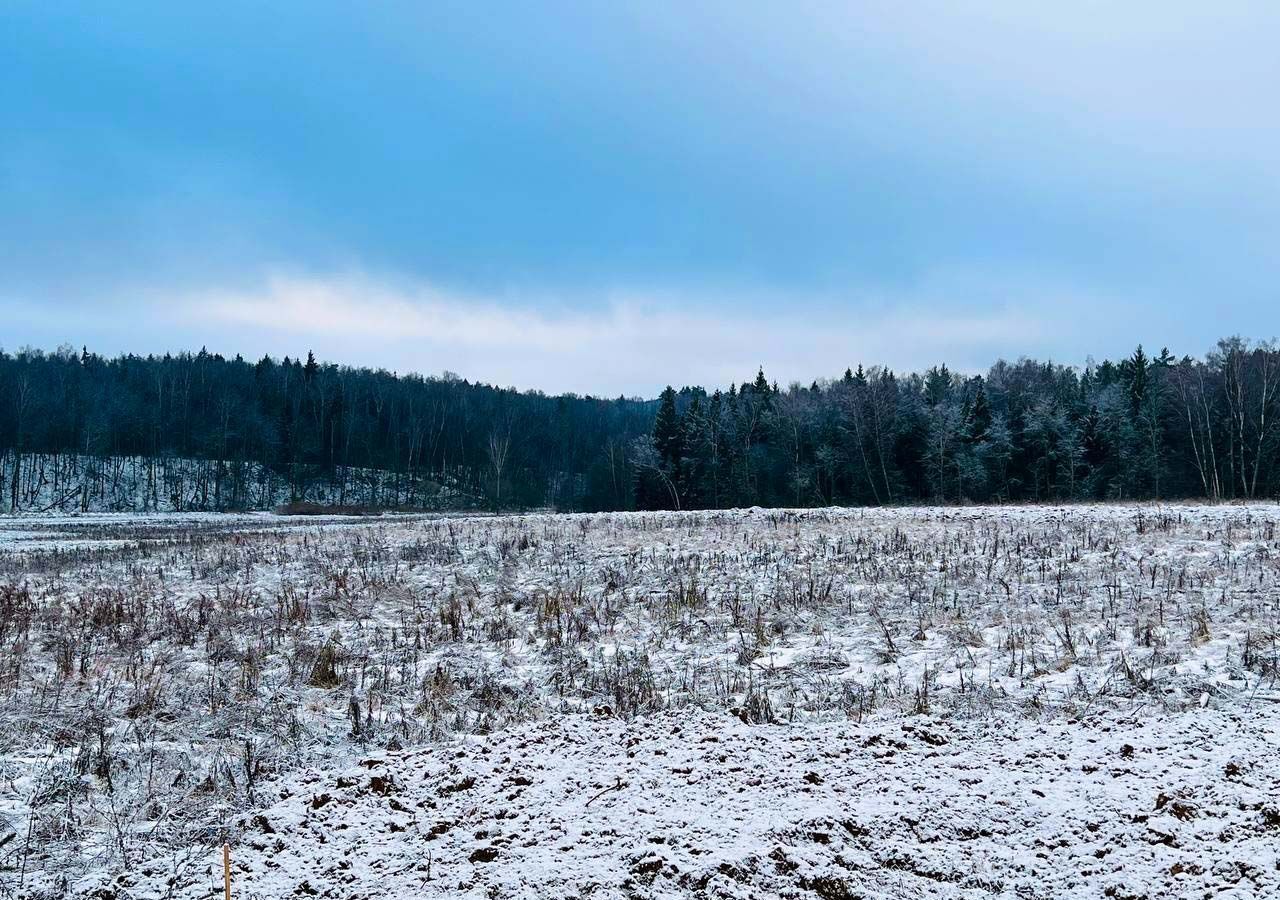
(499, 447)
(1251, 384)
(1194, 392)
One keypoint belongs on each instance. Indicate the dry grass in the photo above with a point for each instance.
(154, 681)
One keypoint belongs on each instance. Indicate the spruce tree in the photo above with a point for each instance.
(761, 386)
(1137, 379)
(979, 420)
(667, 438)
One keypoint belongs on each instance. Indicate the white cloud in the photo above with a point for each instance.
(632, 342)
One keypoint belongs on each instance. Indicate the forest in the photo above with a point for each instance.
(1142, 427)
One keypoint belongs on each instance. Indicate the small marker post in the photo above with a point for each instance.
(226, 870)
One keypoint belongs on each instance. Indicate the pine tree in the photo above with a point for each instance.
(761, 386)
(667, 437)
(693, 440)
(979, 419)
(1137, 379)
(937, 384)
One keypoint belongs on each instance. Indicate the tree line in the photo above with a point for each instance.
(1139, 427)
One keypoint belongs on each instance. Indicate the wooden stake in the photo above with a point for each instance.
(226, 870)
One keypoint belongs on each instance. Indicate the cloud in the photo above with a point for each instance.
(831, 162)
(631, 342)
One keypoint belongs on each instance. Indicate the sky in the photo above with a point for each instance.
(608, 197)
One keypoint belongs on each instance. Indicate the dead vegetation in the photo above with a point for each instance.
(154, 679)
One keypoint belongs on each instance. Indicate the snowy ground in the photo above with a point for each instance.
(703, 805)
(1020, 701)
(70, 483)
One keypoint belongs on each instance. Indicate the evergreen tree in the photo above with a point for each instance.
(979, 417)
(1137, 379)
(667, 431)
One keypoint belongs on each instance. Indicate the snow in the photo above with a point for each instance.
(80, 483)
(758, 703)
(703, 805)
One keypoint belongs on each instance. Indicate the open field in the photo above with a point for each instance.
(1022, 701)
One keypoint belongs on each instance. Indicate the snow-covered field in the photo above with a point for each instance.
(1027, 701)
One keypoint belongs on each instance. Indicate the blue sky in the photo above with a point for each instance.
(606, 197)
